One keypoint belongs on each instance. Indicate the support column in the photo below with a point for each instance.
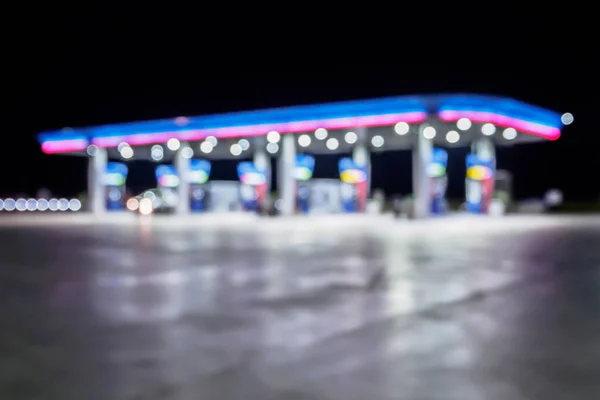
(285, 178)
(182, 164)
(362, 156)
(96, 195)
(484, 149)
(421, 158)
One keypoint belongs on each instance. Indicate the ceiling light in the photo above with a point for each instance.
(509, 133)
(321, 133)
(273, 137)
(463, 124)
(206, 147)
(332, 143)
(235, 149)
(350, 137)
(173, 144)
(377, 141)
(304, 140)
(401, 128)
(488, 129)
(429, 132)
(452, 137)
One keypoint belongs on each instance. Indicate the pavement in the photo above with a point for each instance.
(320, 308)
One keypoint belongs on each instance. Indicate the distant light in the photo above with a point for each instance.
(92, 150)
(553, 197)
(149, 195)
(350, 137)
(509, 133)
(273, 137)
(133, 204)
(1, 205)
(74, 205)
(401, 128)
(332, 143)
(157, 152)
(429, 132)
(272, 148)
(377, 141)
(21, 204)
(42, 204)
(145, 206)
(304, 140)
(244, 143)
(187, 152)
(10, 204)
(452, 137)
(122, 145)
(182, 121)
(173, 144)
(206, 147)
(567, 118)
(212, 140)
(63, 204)
(126, 152)
(53, 205)
(463, 124)
(488, 129)
(235, 149)
(321, 133)
(32, 204)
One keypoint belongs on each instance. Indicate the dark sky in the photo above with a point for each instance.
(87, 66)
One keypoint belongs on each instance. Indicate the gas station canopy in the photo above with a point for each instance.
(448, 120)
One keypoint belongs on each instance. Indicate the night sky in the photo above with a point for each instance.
(102, 66)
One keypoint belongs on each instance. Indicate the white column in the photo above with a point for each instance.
(96, 195)
(182, 164)
(285, 178)
(262, 161)
(421, 158)
(484, 149)
(362, 156)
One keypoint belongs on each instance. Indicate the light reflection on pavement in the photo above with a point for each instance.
(330, 308)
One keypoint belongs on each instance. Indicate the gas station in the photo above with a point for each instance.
(184, 147)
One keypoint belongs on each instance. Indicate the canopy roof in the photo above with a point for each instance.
(534, 122)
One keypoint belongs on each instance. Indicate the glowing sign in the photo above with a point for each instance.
(199, 171)
(167, 176)
(250, 175)
(479, 173)
(305, 165)
(115, 174)
(114, 179)
(478, 169)
(351, 172)
(169, 181)
(436, 170)
(439, 160)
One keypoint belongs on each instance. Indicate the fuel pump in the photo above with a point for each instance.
(167, 180)
(253, 187)
(198, 175)
(353, 188)
(303, 171)
(479, 184)
(114, 180)
(438, 180)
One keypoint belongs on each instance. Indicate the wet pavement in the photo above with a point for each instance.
(349, 308)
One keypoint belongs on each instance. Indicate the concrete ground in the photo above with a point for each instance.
(352, 308)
